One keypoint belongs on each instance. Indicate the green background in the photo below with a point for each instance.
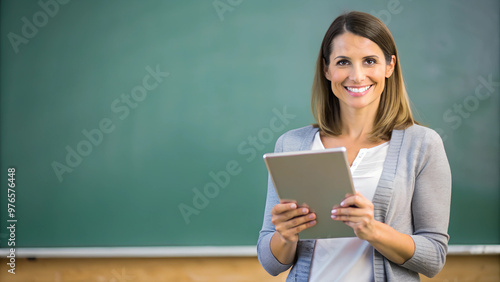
(228, 75)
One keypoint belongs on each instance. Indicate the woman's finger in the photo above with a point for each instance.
(357, 200)
(291, 228)
(284, 207)
(297, 221)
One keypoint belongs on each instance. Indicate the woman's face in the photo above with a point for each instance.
(357, 71)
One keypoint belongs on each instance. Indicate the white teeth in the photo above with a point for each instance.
(358, 90)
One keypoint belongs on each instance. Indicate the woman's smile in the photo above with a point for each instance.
(357, 91)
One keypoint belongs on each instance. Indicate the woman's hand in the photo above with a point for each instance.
(290, 219)
(357, 212)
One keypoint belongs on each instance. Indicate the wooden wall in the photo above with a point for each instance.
(458, 268)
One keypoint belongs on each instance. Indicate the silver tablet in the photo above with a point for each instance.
(319, 179)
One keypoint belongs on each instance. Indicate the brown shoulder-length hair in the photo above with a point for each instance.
(394, 110)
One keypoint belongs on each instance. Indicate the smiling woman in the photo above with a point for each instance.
(400, 171)
(356, 75)
(353, 53)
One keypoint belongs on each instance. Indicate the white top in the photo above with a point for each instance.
(350, 259)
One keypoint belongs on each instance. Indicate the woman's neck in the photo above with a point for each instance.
(357, 124)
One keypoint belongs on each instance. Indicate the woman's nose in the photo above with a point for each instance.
(357, 74)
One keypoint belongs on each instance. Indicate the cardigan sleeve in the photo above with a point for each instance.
(431, 208)
(266, 257)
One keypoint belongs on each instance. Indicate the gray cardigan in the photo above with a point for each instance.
(413, 196)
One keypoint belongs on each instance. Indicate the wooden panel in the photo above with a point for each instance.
(458, 268)
(469, 268)
(137, 269)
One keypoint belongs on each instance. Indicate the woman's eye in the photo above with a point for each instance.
(370, 61)
(342, 62)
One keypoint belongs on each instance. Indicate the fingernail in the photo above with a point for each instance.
(333, 216)
(293, 206)
(342, 204)
(311, 216)
(304, 210)
(334, 211)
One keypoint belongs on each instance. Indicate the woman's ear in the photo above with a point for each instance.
(326, 71)
(389, 69)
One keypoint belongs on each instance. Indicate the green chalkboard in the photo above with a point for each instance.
(143, 123)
